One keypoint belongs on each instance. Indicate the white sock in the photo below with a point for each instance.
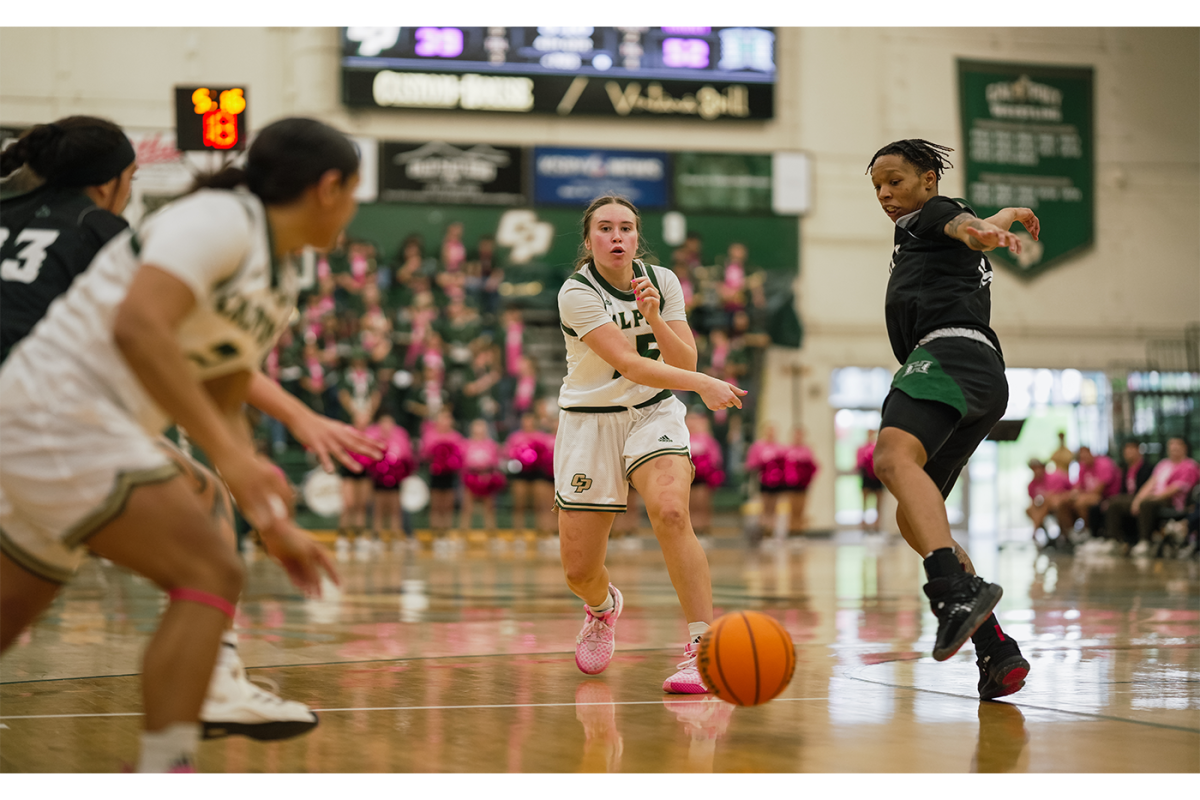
(173, 746)
(607, 605)
(696, 630)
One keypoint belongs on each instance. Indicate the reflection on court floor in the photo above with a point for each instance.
(461, 660)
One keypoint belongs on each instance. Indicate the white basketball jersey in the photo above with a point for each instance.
(215, 241)
(585, 302)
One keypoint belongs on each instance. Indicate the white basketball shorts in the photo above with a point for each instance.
(596, 452)
(69, 458)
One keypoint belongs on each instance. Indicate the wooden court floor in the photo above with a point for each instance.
(461, 661)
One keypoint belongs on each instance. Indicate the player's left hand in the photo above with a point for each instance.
(649, 301)
(330, 439)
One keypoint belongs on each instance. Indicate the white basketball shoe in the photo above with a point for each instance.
(236, 707)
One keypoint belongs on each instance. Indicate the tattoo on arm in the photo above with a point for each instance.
(954, 228)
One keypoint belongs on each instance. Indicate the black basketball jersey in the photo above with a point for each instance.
(47, 238)
(936, 281)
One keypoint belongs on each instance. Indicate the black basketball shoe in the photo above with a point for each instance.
(1002, 670)
(961, 603)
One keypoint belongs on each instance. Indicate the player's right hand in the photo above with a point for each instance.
(259, 488)
(301, 556)
(718, 394)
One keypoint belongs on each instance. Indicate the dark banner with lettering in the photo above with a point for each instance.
(438, 172)
(566, 176)
(558, 94)
(1029, 137)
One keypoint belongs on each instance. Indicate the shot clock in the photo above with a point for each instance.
(211, 118)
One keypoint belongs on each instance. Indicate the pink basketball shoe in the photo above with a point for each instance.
(596, 643)
(687, 680)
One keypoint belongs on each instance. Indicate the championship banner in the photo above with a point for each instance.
(736, 182)
(1030, 141)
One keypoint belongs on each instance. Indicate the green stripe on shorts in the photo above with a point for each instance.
(922, 378)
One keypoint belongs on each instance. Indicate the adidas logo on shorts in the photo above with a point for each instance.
(664, 438)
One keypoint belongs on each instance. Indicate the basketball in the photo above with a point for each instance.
(746, 658)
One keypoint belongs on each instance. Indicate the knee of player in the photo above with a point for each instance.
(888, 463)
(671, 515)
(216, 570)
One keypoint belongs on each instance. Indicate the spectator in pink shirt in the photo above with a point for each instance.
(1047, 490)
(481, 476)
(766, 457)
(523, 451)
(396, 464)
(1168, 487)
(1119, 524)
(1099, 479)
(442, 450)
(871, 485)
(709, 470)
(799, 467)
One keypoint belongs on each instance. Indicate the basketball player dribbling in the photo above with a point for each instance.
(949, 392)
(65, 186)
(169, 324)
(619, 424)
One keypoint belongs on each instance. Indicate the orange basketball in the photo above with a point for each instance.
(746, 658)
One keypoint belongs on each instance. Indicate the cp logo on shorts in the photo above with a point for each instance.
(581, 482)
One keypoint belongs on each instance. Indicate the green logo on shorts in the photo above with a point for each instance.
(581, 482)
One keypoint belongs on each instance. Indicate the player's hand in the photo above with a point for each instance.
(1026, 217)
(718, 394)
(258, 487)
(329, 439)
(300, 555)
(649, 301)
(993, 237)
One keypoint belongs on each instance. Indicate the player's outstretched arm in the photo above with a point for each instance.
(610, 344)
(328, 438)
(988, 234)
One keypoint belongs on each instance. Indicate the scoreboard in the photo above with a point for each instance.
(705, 73)
(211, 118)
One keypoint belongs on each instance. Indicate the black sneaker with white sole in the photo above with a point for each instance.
(961, 603)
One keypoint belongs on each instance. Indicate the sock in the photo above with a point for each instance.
(229, 642)
(607, 605)
(173, 746)
(696, 630)
(942, 563)
(989, 634)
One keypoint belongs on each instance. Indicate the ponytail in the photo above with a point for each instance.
(285, 159)
(73, 152)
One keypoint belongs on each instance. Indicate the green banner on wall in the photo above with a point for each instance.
(1029, 140)
(737, 182)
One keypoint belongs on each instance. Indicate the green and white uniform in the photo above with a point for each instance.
(609, 425)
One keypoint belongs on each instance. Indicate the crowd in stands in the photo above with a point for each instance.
(420, 351)
(1134, 508)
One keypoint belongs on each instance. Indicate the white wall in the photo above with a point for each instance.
(842, 94)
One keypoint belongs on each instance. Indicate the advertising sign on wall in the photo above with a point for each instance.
(438, 172)
(1030, 142)
(573, 176)
(737, 182)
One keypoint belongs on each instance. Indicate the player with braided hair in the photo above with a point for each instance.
(949, 391)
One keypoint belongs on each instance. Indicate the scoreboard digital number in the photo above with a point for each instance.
(211, 118)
